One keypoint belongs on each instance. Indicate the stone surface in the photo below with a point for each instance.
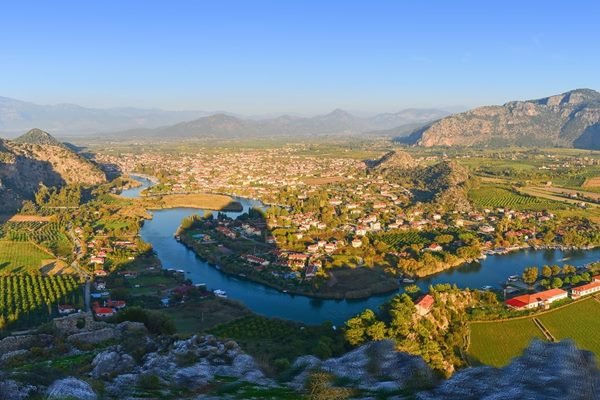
(551, 371)
(71, 388)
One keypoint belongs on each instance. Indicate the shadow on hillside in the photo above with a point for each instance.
(20, 182)
(589, 139)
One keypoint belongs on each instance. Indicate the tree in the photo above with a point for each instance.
(557, 282)
(376, 331)
(530, 275)
(555, 270)
(546, 271)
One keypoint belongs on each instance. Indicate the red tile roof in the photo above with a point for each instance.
(425, 302)
(523, 300)
(587, 286)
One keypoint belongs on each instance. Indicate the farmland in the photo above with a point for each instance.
(495, 196)
(50, 235)
(16, 256)
(33, 296)
(497, 342)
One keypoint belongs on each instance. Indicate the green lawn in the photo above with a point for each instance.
(497, 342)
(580, 322)
(20, 257)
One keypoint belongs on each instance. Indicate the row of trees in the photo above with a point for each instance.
(21, 295)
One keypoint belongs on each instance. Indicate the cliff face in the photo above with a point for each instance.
(24, 165)
(571, 119)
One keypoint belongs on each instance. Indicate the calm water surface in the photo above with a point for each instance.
(270, 302)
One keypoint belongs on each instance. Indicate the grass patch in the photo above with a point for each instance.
(497, 342)
(580, 322)
(21, 257)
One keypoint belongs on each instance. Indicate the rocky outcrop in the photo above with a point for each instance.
(24, 342)
(39, 158)
(545, 371)
(71, 388)
(393, 159)
(110, 363)
(568, 119)
(376, 366)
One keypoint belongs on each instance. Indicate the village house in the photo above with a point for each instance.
(424, 305)
(535, 300)
(356, 243)
(116, 304)
(297, 260)
(255, 260)
(584, 290)
(104, 312)
(64, 309)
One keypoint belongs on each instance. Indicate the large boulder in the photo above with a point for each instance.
(110, 363)
(375, 366)
(71, 388)
(12, 390)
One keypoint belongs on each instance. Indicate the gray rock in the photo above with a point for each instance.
(12, 390)
(375, 366)
(109, 363)
(93, 337)
(6, 357)
(196, 376)
(121, 386)
(545, 371)
(71, 388)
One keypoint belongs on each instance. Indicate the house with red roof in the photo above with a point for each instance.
(584, 290)
(535, 300)
(424, 305)
(104, 312)
(118, 304)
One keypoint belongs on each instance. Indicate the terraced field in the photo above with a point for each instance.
(497, 342)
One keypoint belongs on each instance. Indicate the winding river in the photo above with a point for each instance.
(270, 302)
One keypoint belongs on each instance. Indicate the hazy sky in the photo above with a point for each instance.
(296, 56)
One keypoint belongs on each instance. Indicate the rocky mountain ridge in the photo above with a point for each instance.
(570, 119)
(38, 158)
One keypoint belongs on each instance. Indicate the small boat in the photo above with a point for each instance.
(486, 288)
(408, 280)
(220, 293)
(513, 278)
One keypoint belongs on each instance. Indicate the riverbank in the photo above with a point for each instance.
(201, 201)
(355, 284)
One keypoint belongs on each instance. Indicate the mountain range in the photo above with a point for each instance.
(17, 116)
(336, 122)
(70, 119)
(570, 119)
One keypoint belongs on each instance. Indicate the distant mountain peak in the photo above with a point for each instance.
(38, 136)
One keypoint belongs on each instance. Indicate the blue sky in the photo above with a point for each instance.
(258, 57)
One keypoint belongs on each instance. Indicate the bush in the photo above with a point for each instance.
(156, 322)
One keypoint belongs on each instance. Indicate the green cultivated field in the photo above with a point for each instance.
(497, 342)
(493, 197)
(20, 257)
(580, 322)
